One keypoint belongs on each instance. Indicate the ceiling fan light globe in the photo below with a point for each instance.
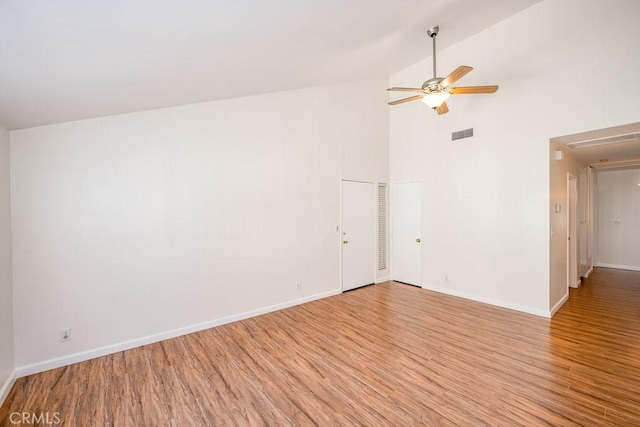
(435, 99)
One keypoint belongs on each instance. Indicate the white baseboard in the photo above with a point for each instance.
(58, 362)
(383, 279)
(559, 304)
(490, 301)
(586, 275)
(6, 387)
(619, 267)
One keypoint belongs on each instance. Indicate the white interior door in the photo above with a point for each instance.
(406, 230)
(358, 226)
(572, 232)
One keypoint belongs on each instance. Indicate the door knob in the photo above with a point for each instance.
(418, 240)
(345, 242)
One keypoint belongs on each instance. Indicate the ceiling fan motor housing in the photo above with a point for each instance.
(432, 85)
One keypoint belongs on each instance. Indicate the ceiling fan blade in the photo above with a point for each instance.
(456, 75)
(442, 109)
(403, 100)
(405, 89)
(470, 90)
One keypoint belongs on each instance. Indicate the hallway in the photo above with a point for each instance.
(598, 331)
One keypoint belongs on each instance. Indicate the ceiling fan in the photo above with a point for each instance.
(436, 91)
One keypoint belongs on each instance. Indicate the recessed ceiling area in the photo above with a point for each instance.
(67, 60)
(609, 148)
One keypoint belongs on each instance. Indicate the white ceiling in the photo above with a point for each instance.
(72, 59)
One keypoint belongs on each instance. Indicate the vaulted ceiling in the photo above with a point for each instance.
(72, 59)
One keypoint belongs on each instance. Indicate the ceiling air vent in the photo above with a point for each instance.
(605, 141)
(462, 134)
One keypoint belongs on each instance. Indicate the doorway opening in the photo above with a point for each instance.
(575, 161)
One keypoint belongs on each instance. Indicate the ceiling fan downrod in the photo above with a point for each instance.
(433, 32)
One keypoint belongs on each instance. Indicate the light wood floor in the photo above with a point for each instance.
(388, 354)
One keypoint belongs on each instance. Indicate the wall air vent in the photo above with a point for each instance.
(462, 134)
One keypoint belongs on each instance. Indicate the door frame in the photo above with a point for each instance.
(374, 206)
(572, 230)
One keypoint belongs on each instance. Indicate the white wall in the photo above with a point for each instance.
(486, 199)
(6, 294)
(138, 224)
(619, 199)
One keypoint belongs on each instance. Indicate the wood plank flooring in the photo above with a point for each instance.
(388, 354)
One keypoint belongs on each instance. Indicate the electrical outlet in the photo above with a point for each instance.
(65, 335)
(298, 287)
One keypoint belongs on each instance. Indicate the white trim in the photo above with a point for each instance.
(490, 301)
(6, 387)
(586, 275)
(577, 284)
(572, 226)
(619, 267)
(383, 279)
(58, 362)
(340, 244)
(559, 304)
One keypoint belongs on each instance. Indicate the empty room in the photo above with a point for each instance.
(253, 213)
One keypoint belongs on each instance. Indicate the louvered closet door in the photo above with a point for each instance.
(382, 226)
(358, 220)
